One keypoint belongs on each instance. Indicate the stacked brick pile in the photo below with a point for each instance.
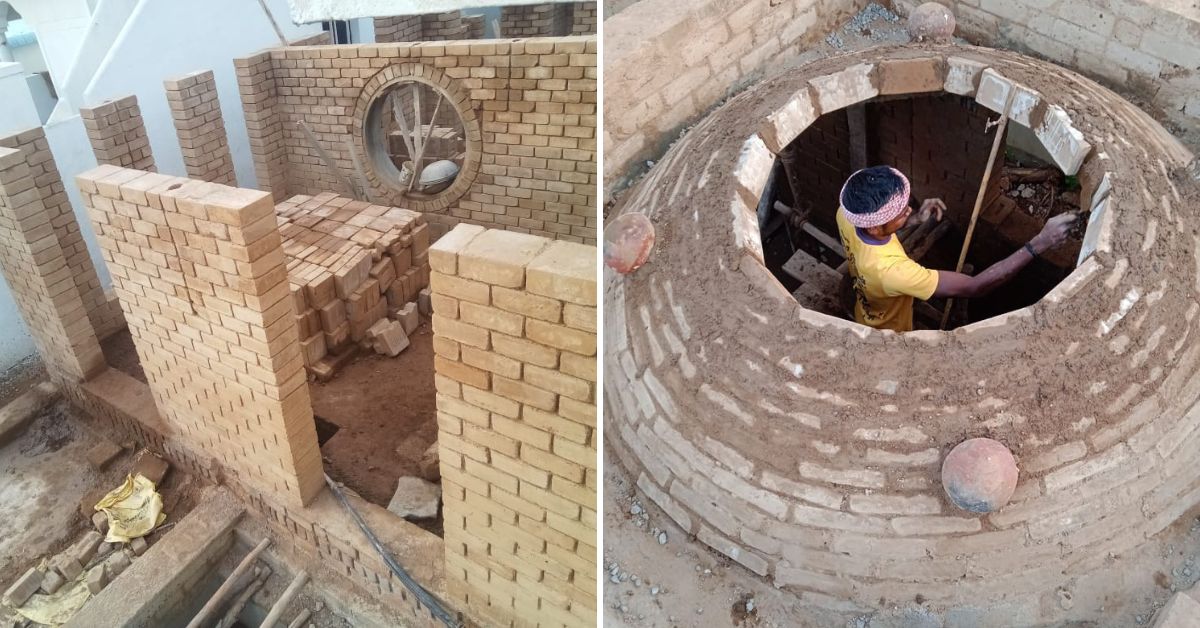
(349, 264)
(515, 337)
(117, 134)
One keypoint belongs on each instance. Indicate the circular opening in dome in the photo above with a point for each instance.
(941, 142)
(415, 138)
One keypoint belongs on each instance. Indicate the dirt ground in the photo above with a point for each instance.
(386, 415)
(45, 479)
(681, 582)
(21, 377)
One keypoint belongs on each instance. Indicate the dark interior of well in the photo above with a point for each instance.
(941, 142)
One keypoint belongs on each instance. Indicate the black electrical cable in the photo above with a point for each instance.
(423, 596)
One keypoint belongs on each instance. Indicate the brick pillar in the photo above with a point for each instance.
(42, 283)
(515, 337)
(583, 18)
(256, 83)
(446, 26)
(104, 313)
(398, 28)
(201, 275)
(535, 20)
(200, 127)
(118, 135)
(473, 27)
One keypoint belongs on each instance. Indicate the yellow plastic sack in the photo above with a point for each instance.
(133, 509)
(57, 609)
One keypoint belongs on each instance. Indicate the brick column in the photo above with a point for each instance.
(515, 337)
(583, 18)
(201, 275)
(256, 83)
(104, 313)
(118, 135)
(200, 127)
(397, 28)
(41, 281)
(534, 20)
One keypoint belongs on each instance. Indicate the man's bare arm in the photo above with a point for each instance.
(952, 284)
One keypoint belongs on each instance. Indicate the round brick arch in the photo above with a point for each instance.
(807, 448)
(455, 96)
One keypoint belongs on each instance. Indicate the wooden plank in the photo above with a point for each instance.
(825, 239)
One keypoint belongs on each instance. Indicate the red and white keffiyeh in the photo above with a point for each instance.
(885, 214)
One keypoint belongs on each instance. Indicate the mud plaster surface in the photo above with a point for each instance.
(698, 587)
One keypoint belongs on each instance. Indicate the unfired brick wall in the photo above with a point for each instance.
(1137, 46)
(514, 319)
(529, 108)
(200, 273)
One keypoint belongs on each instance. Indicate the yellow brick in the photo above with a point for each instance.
(524, 350)
(561, 337)
(461, 372)
(524, 393)
(579, 317)
(557, 382)
(460, 288)
(531, 305)
(521, 431)
(492, 362)
(460, 332)
(491, 318)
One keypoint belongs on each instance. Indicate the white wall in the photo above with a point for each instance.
(18, 110)
(60, 26)
(305, 11)
(17, 113)
(165, 38)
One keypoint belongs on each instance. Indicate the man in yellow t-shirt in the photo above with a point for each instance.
(875, 204)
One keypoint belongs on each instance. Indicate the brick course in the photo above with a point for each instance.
(514, 325)
(201, 277)
(200, 127)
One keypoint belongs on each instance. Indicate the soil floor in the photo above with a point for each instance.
(20, 377)
(681, 582)
(45, 479)
(386, 417)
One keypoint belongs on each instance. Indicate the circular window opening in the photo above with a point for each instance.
(416, 138)
(941, 142)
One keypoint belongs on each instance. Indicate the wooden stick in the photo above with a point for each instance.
(275, 25)
(398, 114)
(285, 598)
(329, 163)
(239, 603)
(359, 173)
(214, 602)
(987, 175)
(418, 162)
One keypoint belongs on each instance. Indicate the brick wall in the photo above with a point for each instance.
(201, 277)
(583, 18)
(664, 68)
(103, 312)
(529, 109)
(1136, 46)
(398, 28)
(117, 134)
(42, 283)
(200, 127)
(515, 337)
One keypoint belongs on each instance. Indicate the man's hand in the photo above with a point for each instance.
(929, 208)
(1054, 233)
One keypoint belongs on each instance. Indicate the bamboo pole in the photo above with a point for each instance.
(285, 598)
(275, 25)
(987, 176)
